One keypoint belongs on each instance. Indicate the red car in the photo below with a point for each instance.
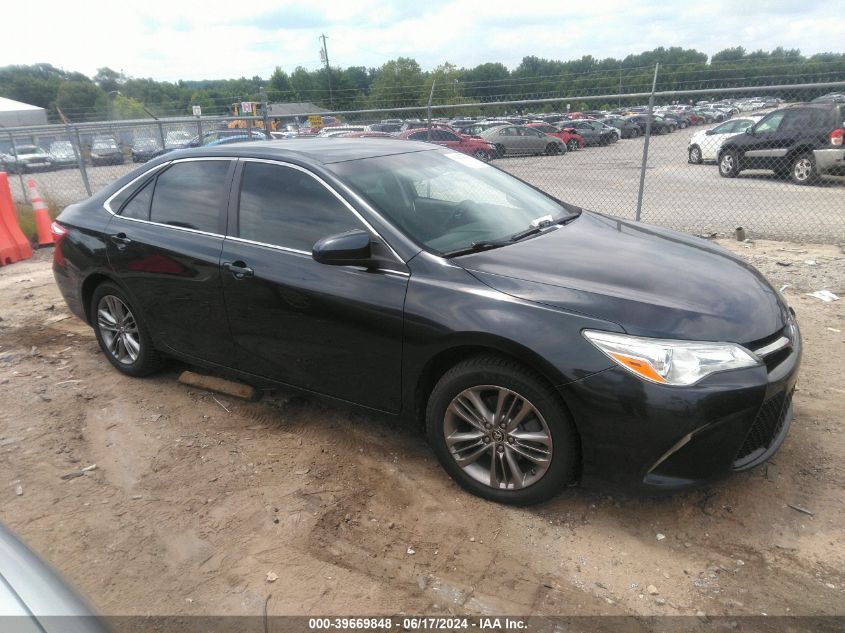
(568, 135)
(472, 145)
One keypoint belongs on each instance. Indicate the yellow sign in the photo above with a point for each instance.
(315, 120)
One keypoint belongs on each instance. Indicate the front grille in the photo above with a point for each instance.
(766, 426)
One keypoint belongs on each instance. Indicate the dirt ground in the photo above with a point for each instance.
(196, 498)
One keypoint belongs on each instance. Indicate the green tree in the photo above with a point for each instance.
(398, 83)
(109, 80)
(82, 101)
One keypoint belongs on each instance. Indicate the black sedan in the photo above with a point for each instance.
(540, 343)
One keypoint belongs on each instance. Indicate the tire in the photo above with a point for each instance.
(635, 132)
(492, 453)
(500, 150)
(729, 164)
(614, 138)
(682, 126)
(672, 128)
(694, 154)
(572, 145)
(552, 149)
(803, 169)
(136, 359)
(481, 155)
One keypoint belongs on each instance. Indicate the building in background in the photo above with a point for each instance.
(14, 113)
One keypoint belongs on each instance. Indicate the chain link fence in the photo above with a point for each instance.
(665, 165)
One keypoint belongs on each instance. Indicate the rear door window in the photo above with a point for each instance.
(191, 195)
(138, 207)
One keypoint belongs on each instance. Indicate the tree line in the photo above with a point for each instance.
(402, 82)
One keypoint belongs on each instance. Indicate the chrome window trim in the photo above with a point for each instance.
(149, 172)
(332, 190)
(771, 348)
(171, 226)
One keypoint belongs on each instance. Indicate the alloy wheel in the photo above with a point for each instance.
(497, 437)
(119, 329)
(802, 170)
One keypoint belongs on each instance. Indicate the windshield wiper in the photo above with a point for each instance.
(485, 245)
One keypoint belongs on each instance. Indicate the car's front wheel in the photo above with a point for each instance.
(501, 432)
(481, 155)
(572, 145)
(122, 333)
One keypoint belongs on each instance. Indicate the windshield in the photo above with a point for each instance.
(25, 150)
(104, 144)
(447, 201)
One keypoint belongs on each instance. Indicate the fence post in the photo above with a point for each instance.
(80, 159)
(430, 97)
(199, 129)
(265, 113)
(18, 167)
(645, 144)
(82, 168)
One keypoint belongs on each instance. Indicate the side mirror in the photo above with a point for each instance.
(352, 248)
(751, 131)
(709, 133)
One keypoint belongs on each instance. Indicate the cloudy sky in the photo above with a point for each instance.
(170, 40)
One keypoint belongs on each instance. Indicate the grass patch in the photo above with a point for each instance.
(26, 218)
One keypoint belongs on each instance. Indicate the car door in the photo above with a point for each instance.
(335, 330)
(535, 141)
(164, 248)
(761, 146)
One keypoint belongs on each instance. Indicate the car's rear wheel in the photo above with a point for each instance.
(122, 333)
(500, 150)
(572, 145)
(552, 149)
(803, 170)
(695, 155)
(480, 154)
(729, 164)
(501, 432)
(635, 133)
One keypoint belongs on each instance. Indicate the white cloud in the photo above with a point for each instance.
(215, 39)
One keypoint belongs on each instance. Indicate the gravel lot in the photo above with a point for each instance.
(196, 498)
(692, 198)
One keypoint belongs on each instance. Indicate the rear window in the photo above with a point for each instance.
(191, 195)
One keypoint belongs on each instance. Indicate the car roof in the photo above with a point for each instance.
(315, 150)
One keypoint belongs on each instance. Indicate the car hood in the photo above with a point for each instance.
(650, 281)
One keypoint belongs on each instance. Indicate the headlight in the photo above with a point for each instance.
(671, 362)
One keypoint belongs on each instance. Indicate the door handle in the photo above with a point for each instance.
(238, 269)
(121, 241)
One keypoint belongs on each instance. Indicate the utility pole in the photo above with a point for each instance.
(324, 57)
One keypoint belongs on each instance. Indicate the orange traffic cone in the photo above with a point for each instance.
(13, 244)
(42, 216)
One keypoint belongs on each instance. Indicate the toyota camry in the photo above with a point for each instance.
(541, 344)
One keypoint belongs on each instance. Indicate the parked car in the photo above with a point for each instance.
(627, 129)
(511, 140)
(835, 97)
(705, 144)
(568, 135)
(62, 154)
(801, 142)
(23, 159)
(34, 598)
(659, 125)
(540, 343)
(365, 134)
(177, 139)
(105, 151)
(471, 145)
(337, 130)
(390, 128)
(594, 132)
(144, 148)
(681, 122)
(477, 128)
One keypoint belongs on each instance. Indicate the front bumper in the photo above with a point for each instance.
(644, 437)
